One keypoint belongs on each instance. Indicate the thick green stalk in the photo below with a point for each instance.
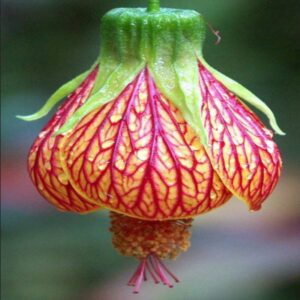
(153, 5)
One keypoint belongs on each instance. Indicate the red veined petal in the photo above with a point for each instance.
(44, 163)
(137, 156)
(241, 148)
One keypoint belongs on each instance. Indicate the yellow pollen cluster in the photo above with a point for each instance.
(139, 238)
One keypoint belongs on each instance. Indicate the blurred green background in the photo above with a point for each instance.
(235, 254)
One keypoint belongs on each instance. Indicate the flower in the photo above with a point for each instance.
(154, 134)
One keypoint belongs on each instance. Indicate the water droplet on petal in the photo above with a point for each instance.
(48, 166)
(216, 147)
(220, 128)
(142, 154)
(102, 165)
(107, 144)
(51, 143)
(270, 146)
(249, 177)
(120, 164)
(268, 132)
(115, 118)
(40, 186)
(78, 90)
(252, 166)
(90, 158)
(213, 195)
(237, 140)
(63, 178)
(42, 134)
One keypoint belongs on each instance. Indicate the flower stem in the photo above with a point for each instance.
(153, 5)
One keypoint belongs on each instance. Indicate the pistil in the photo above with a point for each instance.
(158, 272)
(150, 242)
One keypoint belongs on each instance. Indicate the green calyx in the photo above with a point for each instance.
(166, 41)
(139, 34)
(169, 43)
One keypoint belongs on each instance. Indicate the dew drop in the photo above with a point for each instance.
(64, 133)
(213, 195)
(102, 165)
(266, 161)
(107, 144)
(268, 132)
(220, 128)
(63, 178)
(237, 140)
(59, 112)
(90, 158)
(249, 177)
(33, 150)
(140, 170)
(194, 148)
(72, 153)
(132, 126)
(252, 166)
(40, 186)
(80, 99)
(78, 90)
(42, 134)
(216, 147)
(115, 118)
(48, 166)
(142, 154)
(120, 164)
(270, 146)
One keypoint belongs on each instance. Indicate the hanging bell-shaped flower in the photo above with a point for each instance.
(154, 134)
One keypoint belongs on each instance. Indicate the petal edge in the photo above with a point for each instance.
(241, 149)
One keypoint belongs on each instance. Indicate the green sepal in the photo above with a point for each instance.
(178, 77)
(111, 89)
(184, 92)
(244, 94)
(60, 94)
(167, 42)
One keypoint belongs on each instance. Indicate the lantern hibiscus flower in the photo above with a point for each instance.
(154, 134)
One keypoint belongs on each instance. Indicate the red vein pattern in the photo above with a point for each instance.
(137, 156)
(241, 148)
(44, 162)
